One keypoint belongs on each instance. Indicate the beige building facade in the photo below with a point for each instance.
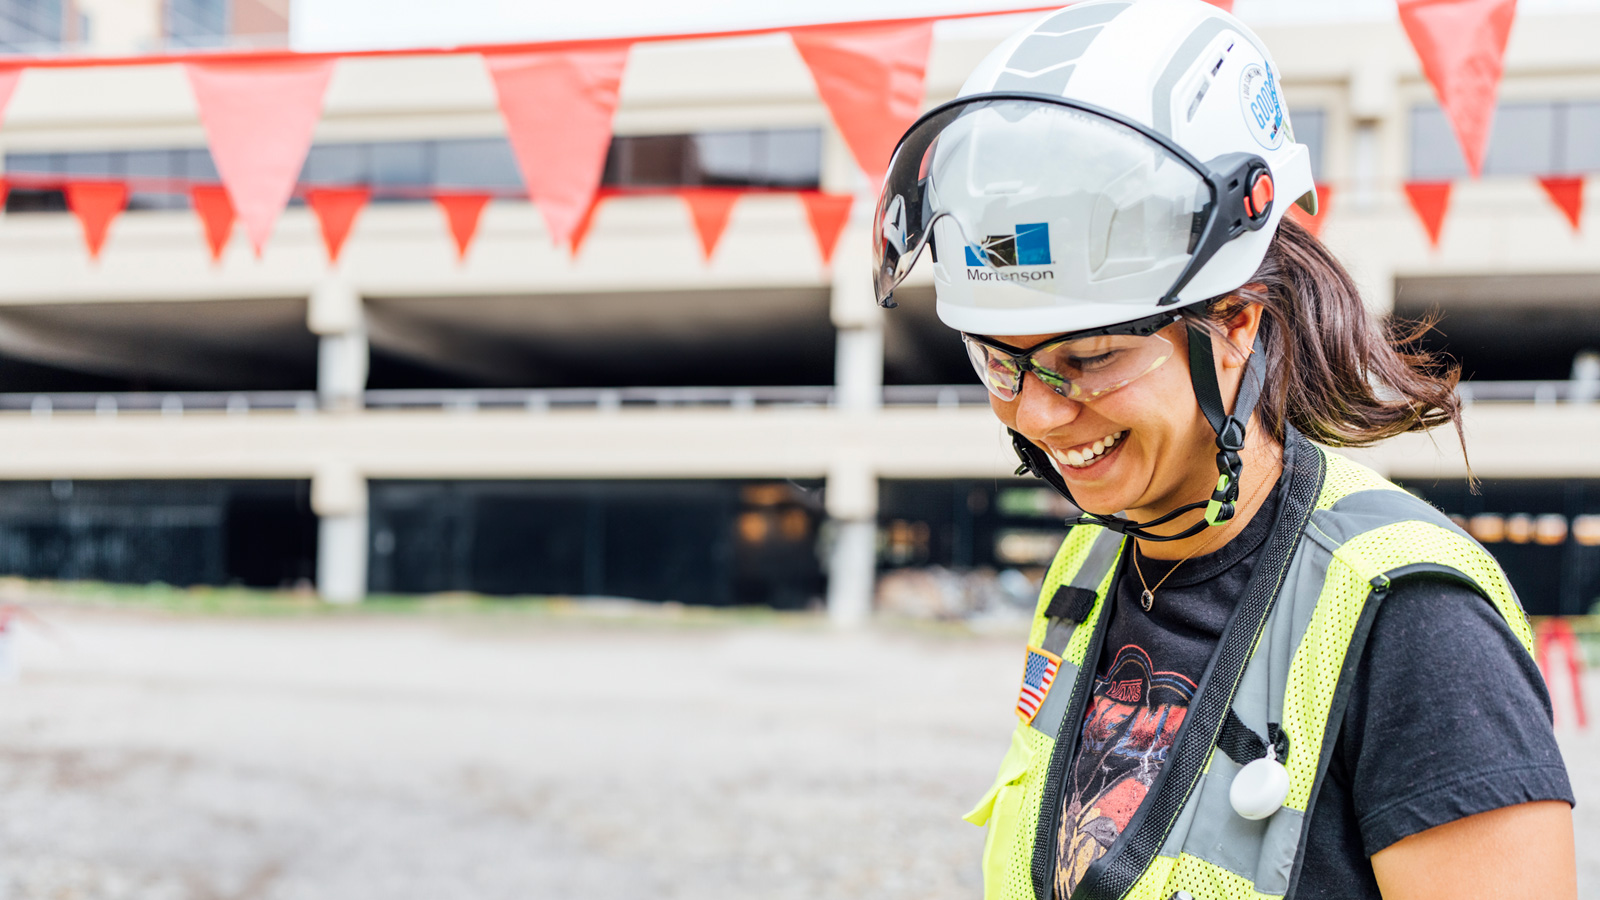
(639, 361)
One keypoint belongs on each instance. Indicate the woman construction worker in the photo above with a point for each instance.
(1256, 669)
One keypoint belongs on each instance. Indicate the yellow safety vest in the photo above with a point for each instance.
(1343, 533)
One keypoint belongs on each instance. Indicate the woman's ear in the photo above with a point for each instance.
(1241, 328)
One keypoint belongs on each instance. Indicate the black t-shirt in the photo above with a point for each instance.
(1448, 716)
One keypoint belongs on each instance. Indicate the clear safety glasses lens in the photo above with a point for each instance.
(1078, 368)
(1044, 196)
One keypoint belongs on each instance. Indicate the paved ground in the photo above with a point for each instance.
(481, 757)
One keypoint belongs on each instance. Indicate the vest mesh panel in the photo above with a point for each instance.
(1014, 851)
(1316, 666)
(1189, 873)
(1341, 478)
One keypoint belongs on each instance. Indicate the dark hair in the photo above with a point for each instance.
(1342, 376)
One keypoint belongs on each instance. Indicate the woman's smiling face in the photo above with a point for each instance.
(1145, 448)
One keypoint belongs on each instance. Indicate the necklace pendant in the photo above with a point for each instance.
(1146, 598)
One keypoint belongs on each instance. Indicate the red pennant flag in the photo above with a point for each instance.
(1462, 45)
(462, 211)
(5, 191)
(1430, 199)
(872, 79)
(1226, 5)
(557, 108)
(710, 209)
(9, 76)
(336, 210)
(211, 203)
(1567, 194)
(1314, 223)
(96, 203)
(827, 214)
(258, 118)
(581, 232)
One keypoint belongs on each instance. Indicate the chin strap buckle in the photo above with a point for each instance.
(1230, 468)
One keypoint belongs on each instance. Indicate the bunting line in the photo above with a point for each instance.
(272, 56)
(1430, 199)
(557, 109)
(336, 210)
(872, 79)
(96, 204)
(709, 209)
(258, 120)
(211, 204)
(462, 213)
(1566, 192)
(10, 74)
(1462, 47)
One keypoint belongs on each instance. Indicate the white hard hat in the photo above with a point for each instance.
(1110, 162)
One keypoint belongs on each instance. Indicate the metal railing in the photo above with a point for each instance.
(538, 400)
(172, 404)
(1538, 392)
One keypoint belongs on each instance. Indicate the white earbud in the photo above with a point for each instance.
(1260, 788)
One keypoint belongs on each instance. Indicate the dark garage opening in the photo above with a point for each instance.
(1553, 322)
(1544, 533)
(183, 533)
(706, 338)
(717, 543)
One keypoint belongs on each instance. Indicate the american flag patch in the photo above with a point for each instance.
(1037, 677)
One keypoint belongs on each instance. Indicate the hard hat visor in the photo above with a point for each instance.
(1049, 195)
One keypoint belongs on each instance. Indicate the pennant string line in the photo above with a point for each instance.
(233, 56)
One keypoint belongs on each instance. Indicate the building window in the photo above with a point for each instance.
(1546, 138)
(410, 170)
(1309, 125)
(195, 23)
(790, 158)
(28, 26)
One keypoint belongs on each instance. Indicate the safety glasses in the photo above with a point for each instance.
(1079, 366)
(1059, 197)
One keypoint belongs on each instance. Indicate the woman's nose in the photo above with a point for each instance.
(1041, 410)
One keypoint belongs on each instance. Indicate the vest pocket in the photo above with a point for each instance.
(1001, 810)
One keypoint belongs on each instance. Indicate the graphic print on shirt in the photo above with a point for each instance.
(1133, 715)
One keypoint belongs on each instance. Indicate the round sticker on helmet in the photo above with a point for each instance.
(1264, 114)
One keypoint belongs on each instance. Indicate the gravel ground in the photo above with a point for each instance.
(482, 757)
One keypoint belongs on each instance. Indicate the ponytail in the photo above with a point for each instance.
(1342, 377)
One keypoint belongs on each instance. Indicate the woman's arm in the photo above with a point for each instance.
(1522, 851)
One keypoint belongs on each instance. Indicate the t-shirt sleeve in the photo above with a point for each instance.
(1448, 716)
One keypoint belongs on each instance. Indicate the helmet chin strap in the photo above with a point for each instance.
(1230, 430)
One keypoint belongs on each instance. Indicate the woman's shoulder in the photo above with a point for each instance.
(1448, 715)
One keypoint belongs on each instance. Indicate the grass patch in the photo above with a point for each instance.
(242, 602)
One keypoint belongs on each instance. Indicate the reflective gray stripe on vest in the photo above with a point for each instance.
(1097, 564)
(1264, 851)
(1365, 511)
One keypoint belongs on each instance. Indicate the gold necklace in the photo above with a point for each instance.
(1148, 598)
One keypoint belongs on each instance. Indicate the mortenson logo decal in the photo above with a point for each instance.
(1028, 246)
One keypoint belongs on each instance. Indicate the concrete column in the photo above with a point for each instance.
(339, 498)
(336, 314)
(858, 360)
(118, 27)
(858, 369)
(1375, 110)
(852, 501)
